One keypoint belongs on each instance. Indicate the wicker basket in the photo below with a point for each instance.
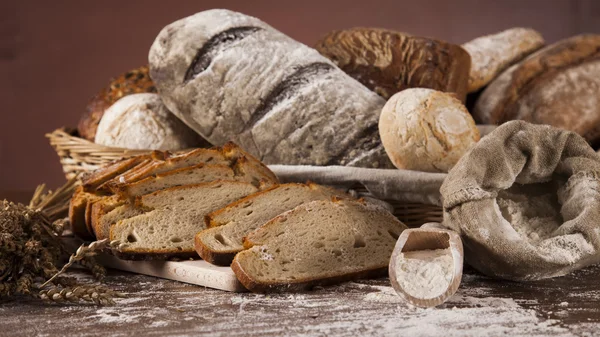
(78, 155)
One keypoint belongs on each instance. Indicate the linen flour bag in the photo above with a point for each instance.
(526, 202)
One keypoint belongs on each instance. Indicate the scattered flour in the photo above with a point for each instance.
(425, 274)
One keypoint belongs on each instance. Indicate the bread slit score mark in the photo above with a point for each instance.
(367, 140)
(287, 88)
(214, 46)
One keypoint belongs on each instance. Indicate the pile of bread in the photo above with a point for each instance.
(225, 206)
(363, 97)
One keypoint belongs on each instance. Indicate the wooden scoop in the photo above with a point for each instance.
(426, 240)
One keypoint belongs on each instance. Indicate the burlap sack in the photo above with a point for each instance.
(526, 202)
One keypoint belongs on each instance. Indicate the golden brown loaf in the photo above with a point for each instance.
(387, 61)
(426, 130)
(558, 85)
(132, 82)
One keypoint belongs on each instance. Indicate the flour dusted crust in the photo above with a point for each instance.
(387, 61)
(492, 54)
(558, 86)
(426, 130)
(141, 121)
(232, 77)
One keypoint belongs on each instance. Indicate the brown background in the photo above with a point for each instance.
(55, 55)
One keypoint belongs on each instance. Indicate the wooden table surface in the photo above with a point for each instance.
(566, 306)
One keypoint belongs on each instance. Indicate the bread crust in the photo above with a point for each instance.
(77, 216)
(300, 284)
(221, 258)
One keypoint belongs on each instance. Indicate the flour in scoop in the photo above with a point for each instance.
(425, 274)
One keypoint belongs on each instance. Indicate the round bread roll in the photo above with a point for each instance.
(134, 81)
(141, 121)
(426, 130)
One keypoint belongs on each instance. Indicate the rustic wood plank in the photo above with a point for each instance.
(563, 306)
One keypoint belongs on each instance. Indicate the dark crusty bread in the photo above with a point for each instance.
(132, 82)
(229, 225)
(173, 216)
(318, 243)
(387, 61)
(558, 85)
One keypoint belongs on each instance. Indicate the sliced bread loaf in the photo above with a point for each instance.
(227, 155)
(243, 171)
(184, 176)
(318, 243)
(228, 226)
(172, 217)
(91, 181)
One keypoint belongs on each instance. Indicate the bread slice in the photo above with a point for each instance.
(203, 173)
(317, 243)
(227, 155)
(91, 181)
(110, 214)
(192, 158)
(77, 212)
(184, 176)
(228, 226)
(172, 217)
(100, 224)
(231, 150)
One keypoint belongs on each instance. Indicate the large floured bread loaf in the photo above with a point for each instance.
(228, 226)
(492, 54)
(283, 101)
(172, 217)
(558, 86)
(387, 61)
(318, 243)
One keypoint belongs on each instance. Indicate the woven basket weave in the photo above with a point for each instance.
(78, 155)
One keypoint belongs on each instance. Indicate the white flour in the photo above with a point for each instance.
(425, 274)
(535, 218)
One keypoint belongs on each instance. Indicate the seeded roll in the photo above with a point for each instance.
(132, 82)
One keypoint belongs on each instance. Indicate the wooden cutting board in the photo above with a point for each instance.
(196, 272)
